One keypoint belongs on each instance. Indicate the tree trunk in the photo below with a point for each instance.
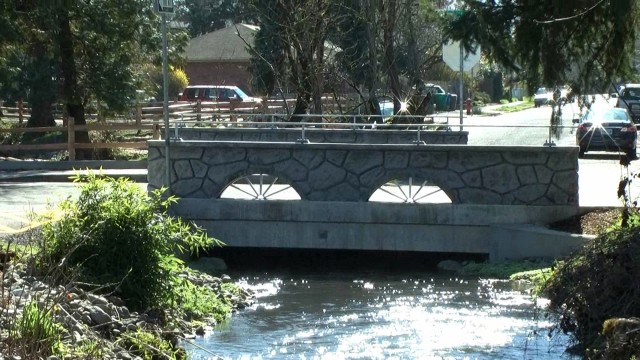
(72, 99)
(388, 13)
(41, 114)
(373, 106)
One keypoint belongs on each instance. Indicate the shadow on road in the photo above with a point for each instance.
(604, 156)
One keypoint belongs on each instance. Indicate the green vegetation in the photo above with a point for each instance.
(115, 239)
(599, 283)
(119, 237)
(503, 270)
(516, 107)
(542, 39)
(36, 332)
(537, 278)
(199, 303)
(149, 345)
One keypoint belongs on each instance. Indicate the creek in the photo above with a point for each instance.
(400, 314)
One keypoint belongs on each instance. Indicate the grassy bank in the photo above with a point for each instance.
(105, 280)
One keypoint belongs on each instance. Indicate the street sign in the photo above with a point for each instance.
(163, 6)
(451, 56)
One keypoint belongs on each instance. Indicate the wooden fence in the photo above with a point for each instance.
(187, 111)
(150, 117)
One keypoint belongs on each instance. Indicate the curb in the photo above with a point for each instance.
(21, 165)
(136, 175)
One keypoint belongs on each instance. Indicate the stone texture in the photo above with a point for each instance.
(349, 172)
(358, 162)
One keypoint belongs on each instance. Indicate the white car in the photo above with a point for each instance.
(542, 96)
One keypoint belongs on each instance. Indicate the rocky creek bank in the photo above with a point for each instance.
(91, 325)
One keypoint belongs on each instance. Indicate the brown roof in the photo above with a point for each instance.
(222, 45)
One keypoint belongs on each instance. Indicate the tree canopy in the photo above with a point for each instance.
(584, 43)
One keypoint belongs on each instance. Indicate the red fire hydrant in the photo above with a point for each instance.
(468, 106)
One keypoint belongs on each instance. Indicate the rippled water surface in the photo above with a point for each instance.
(381, 316)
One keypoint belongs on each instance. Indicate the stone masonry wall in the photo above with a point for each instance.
(503, 175)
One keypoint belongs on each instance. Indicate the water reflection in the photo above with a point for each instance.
(377, 316)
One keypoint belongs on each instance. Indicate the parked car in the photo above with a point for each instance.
(607, 129)
(442, 100)
(630, 99)
(542, 96)
(216, 93)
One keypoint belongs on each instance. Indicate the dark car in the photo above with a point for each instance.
(607, 129)
(216, 93)
(630, 99)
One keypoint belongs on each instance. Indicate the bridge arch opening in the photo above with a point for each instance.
(259, 186)
(410, 190)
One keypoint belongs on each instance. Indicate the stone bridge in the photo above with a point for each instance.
(495, 193)
(506, 175)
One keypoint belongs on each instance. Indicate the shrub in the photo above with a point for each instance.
(120, 238)
(598, 283)
(481, 96)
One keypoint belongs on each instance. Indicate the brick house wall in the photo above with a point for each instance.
(218, 73)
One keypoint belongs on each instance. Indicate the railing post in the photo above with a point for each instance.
(20, 111)
(71, 138)
(198, 110)
(303, 139)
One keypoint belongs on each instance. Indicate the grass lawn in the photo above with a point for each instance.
(516, 107)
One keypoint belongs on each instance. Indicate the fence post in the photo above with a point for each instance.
(138, 113)
(232, 117)
(99, 112)
(156, 131)
(71, 138)
(198, 109)
(20, 111)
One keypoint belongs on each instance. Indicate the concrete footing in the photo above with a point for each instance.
(504, 232)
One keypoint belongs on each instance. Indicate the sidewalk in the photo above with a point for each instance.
(61, 171)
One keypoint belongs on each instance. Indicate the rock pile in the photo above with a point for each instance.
(87, 317)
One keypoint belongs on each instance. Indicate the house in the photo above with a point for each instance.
(221, 57)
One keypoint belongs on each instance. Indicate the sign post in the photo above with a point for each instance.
(453, 54)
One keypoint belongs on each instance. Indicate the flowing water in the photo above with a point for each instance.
(377, 315)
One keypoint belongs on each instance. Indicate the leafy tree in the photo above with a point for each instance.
(268, 53)
(581, 42)
(79, 51)
(302, 26)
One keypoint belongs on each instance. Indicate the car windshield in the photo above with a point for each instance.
(602, 115)
(631, 91)
(241, 93)
(541, 91)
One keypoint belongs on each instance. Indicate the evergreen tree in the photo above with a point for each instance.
(585, 43)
